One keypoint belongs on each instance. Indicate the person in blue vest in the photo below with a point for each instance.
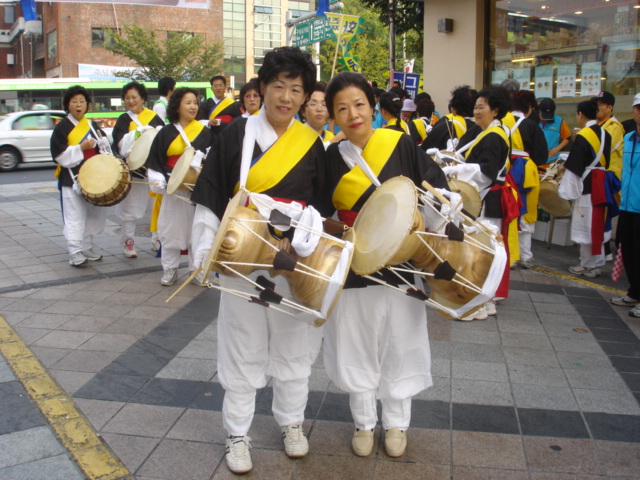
(555, 129)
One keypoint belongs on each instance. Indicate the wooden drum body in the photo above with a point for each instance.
(104, 180)
(549, 199)
(183, 176)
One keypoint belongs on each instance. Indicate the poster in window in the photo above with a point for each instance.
(155, 3)
(544, 82)
(591, 79)
(498, 76)
(523, 76)
(566, 81)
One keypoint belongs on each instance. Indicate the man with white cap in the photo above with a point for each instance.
(629, 222)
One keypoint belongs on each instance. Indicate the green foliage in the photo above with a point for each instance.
(182, 56)
(409, 14)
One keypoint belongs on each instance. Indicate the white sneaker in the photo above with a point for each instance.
(609, 257)
(91, 255)
(77, 259)
(584, 271)
(169, 277)
(526, 264)
(295, 443)
(490, 308)
(480, 314)
(238, 455)
(130, 249)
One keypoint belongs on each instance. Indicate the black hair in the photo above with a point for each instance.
(496, 97)
(463, 99)
(142, 90)
(291, 61)
(588, 108)
(425, 107)
(72, 92)
(391, 103)
(378, 91)
(174, 102)
(218, 77)
(165, 85)
(344, 80)
(523, 100)
(319, 87)
(400, 92)
(422, 95)
(250, 85)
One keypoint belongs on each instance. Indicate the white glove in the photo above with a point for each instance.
(76, 189)
(196, 161)
(126, 144)
(143, 128)
(429, 128)
(157, 182)
(450, 171)
(159, 127)
(103, 145)
(452, 143)
(432, 151)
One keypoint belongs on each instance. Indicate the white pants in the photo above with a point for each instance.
(588, 260)
(524, 239)
(174, 230)
(377, 346)
(82, 220)
(255, 342)
(132, 209)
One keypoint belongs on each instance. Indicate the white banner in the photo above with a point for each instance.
(102, 73)
(154, 3)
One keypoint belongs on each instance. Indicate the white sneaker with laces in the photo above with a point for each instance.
(490, 308)
(77, 259)
(295, 443)
(526, 264)
(585, 271)
(91, 255)
(480, 314)
(237, 454)
(130, 249)
(169, 277)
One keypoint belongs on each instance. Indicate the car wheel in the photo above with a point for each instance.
(9, 159)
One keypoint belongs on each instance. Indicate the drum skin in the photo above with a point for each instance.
(183, 174)
(104, 180)
(397, 242)
(140, 150)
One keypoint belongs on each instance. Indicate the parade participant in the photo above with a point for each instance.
(314, 113)
(218, 111)
(420, 127)
(74, 140)
(408, 111)
(390, 108)
(255, 343)
(176, 214)
(629, 223)
(376, 339)
(127, 129)
(555, 129)
(487, 162)
(166, 86)
(587, 182)
(250, 101)
(445, 135)
(528, 150)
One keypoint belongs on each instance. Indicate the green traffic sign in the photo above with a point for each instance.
(312, 31)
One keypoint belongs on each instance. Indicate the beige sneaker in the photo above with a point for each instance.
(395, 442)
(237, 454)
(296, 444)
(480, 314)
(362, 442)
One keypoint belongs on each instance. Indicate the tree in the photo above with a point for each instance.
(182, 56)
(409, 14)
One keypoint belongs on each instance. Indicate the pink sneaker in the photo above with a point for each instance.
(130, 249)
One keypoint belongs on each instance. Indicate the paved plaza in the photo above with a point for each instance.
(100, 377)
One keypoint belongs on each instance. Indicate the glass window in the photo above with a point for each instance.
(102, 37)
(9, 14)
(567, 50)
(52, 46)
(33, 122)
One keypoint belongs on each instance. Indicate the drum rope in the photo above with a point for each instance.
(428, 301)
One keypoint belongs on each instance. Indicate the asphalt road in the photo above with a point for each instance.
(29, 173)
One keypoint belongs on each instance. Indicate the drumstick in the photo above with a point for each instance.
(144, 183)
(191, 277)
(573, 205)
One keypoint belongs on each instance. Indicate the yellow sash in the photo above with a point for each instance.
(459, 123)
(327, 135)
(278, 160)
(178, 146)
(509, 120)
(594, 140)
(79, 132)
(376, 153)
(144, 117)
(222, 104)
(495, 129)
(420, 127)
(401, 123)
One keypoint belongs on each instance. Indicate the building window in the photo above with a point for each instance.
(52, 46)
(171, 34)
(102, 37)
(9, 14)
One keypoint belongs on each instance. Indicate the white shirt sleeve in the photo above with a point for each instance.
(71, 157)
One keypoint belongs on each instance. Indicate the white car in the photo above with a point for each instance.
(25, 137)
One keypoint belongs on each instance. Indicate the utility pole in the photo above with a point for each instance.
(392, 40)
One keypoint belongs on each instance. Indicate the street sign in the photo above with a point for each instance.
(312, 31)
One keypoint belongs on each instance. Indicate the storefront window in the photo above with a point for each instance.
(568, 49)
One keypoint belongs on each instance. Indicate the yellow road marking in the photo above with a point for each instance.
(95, 459)
(579, 280)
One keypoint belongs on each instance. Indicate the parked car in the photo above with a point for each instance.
(25, 136)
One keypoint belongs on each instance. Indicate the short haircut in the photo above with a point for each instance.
(588, 108)
(139, 87)
(174, 102)
(496, 97)
(291, 61)
(250, 85)
(425, 107)
(523, 100)
(344, 80)
(510, 85)
(463, 99)
(72, 92)
(399, 91)
(165, 85)
(218, 77)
